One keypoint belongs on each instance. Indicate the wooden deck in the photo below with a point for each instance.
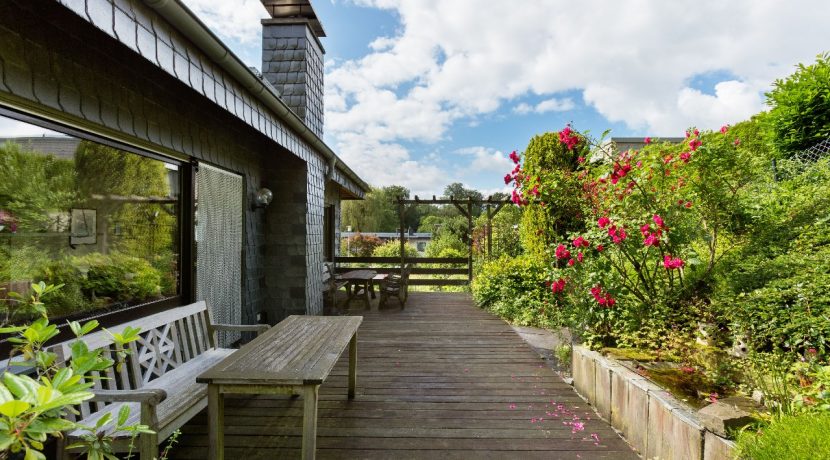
(440, 379)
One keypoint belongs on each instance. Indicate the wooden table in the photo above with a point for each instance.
(294, 357)
(359, 279)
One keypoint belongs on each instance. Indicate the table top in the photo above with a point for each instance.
(299, 350)
(358, 275)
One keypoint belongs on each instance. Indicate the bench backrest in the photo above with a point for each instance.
(167, 340)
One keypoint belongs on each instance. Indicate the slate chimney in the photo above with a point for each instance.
(292, 58)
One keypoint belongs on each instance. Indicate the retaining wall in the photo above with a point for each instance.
(653, 421)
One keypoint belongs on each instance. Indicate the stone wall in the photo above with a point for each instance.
(136, 80)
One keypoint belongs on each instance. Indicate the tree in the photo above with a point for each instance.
(456, 190)
(800, 114)
(377, 212)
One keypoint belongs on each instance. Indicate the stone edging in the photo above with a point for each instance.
(655, 423)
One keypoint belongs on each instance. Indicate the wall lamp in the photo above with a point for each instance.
(262, 198)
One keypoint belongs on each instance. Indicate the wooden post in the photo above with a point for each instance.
(309, 421)
(401, 212)
(352, 365)
(489, 232)
(216, 423)
(470, 242)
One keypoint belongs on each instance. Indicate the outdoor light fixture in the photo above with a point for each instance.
(262, 198)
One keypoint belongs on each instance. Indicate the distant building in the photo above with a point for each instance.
(621, 144)
(62, 147)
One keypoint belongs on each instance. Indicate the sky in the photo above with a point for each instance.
(423, 93)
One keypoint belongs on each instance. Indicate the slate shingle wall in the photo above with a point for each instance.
(135, 79)
(292, 61)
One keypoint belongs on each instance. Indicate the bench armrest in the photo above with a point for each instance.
(258, 328)
(151, 396)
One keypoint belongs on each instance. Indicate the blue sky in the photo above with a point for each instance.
(423, 93)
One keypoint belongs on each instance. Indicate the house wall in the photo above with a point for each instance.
(135, 79)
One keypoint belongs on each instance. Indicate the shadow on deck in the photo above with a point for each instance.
(440, 379)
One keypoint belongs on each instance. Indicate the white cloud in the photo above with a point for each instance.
(548, 105)
(238, 19)
(484, 159)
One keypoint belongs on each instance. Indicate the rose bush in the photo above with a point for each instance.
(649, 230)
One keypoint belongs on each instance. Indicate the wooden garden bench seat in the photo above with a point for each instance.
(158, 378)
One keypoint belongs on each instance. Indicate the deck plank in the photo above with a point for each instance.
(440, 379)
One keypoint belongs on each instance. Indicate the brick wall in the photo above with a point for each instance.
(135, 79)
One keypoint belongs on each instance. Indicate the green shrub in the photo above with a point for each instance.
(392, 248)
(516, 290)
(550, 163)
(788, 437)
(70, 298)
(800, 114)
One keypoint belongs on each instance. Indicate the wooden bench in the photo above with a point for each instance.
(294, 357)
(158, 377)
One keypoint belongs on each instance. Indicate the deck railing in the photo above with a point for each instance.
(420, 266)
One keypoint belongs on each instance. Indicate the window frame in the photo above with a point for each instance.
(186, 229)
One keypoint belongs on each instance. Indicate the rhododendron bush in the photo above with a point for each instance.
(634, 249)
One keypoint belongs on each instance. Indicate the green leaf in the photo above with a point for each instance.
(5, 395)
(22, 386)
(14, 408)
(32, 454)
(5, 441)
(103, 421)
(123, 414)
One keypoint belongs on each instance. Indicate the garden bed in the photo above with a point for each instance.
(654, 422)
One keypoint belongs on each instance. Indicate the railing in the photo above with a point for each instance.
(379, 264)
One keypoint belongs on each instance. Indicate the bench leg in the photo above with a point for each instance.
(148, 443)
(309, 421)
(216, 423)
(352, 365)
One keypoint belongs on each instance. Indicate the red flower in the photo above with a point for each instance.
(688, 205)
(647, 140)
(579, 257)
(535, 190)
(659, 221)
(507, 179)
(600, 247)
(515, 157)
(558, 286)
(581, 242)
(603, 221)
(724, 129)
(580, 160)
(562, 252)
(571, 263)
(645, 229)
(685, 156)
(567, 137)
(697, 133)
(694, 143)
(672, 263)
(652, 239)
(737, 142)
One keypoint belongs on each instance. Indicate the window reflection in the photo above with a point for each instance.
(99, 220)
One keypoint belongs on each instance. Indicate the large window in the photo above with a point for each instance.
(100, 220)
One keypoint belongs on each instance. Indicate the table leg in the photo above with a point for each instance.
(352, 365)
(216, 423)
(372, 288)
(366, 294)
(309, 421)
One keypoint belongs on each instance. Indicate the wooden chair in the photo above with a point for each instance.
(331, 284)
(395, 286)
